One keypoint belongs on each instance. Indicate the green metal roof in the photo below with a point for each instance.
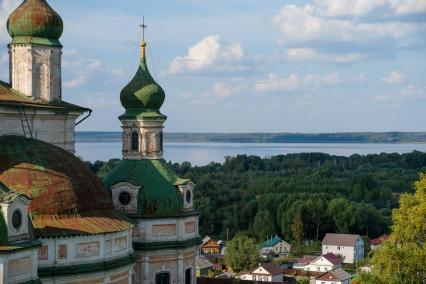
(142, 94)
(271, 242)
(159, 194)
(34, 21)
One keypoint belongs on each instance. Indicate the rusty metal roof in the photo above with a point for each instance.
(73, 225)
(61, 187)
(11, 97)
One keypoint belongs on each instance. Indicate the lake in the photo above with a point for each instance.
(200, 154)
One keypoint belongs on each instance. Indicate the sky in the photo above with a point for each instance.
(246, 65)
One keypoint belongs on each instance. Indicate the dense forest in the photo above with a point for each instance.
(312, 193)
(348, 137)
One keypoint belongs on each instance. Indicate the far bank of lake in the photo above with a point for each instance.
(203, 153)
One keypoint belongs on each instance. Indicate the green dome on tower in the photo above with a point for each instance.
(34, 21)
(142, 96)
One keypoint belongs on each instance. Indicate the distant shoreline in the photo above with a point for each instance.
(344, 137)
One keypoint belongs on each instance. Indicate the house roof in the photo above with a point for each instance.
(206, 239)
(340, 239)
(332, 258)
(203, 263)
(13, 98)
(337, 274)
(306, 259)
(379, 240)
(270, 267)
(270, 243)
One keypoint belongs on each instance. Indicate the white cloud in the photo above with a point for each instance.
(395, 77)
(79, 69)
(318, 32)
(404, 7)
(211, 54)
(302, 24)
(218, 92)
(310, 54)
(293, 83)
(408, 94)
(358, 8)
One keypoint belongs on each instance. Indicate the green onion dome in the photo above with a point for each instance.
(142, 94)
(34, 21)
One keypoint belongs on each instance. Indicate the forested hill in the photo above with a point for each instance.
(350, 137)
(327, 193)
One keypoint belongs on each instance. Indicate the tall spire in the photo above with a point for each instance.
(143, 43)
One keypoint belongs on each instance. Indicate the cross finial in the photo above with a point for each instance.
(143, 26)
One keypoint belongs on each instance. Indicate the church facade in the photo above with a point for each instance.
(59, 223)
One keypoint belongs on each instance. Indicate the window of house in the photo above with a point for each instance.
(188, 274)
(135, 141)
(162, 278)
(338, 248)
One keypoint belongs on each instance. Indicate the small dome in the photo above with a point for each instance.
(142, 93)
(35, 18)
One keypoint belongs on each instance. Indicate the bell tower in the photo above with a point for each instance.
(35, 51)
(142, 122)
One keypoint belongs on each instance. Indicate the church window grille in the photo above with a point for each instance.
(135, 141)
(162, 278)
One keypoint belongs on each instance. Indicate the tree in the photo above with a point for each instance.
(263, 225)
(297, 228)
(402, 258)
(241, 253)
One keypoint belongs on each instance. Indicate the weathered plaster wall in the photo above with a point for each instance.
(46, 125)
(35, 70)
(18, 267)
(167, 229)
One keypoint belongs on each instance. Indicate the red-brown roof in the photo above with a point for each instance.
(332, 258)
(379, 240)
(270, 267)
(306, 259)
(340, 239)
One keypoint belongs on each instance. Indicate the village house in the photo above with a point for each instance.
(336, 276)
(203, 266)
(303, 261)
(276, 245)
(324, 263)
(376, 243)
(210, 246)
(265, 272)
(349, 247)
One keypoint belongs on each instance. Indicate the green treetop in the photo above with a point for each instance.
(402, 258)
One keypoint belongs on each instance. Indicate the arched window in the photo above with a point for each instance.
(135, 141)
(161, 141)
(188, 276)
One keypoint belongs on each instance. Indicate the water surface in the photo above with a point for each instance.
(203, 153)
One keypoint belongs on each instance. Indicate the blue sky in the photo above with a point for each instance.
(249, 66)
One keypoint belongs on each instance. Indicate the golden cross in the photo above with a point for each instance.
(143, 26)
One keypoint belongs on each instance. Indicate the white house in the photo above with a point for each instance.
(324, 263)
(276, 245)
(336, 276)
(265, 272)
(350, 247)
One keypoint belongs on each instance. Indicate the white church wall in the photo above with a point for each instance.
(18, 267)
(168, 229)
(48, 126)
(85, 249)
